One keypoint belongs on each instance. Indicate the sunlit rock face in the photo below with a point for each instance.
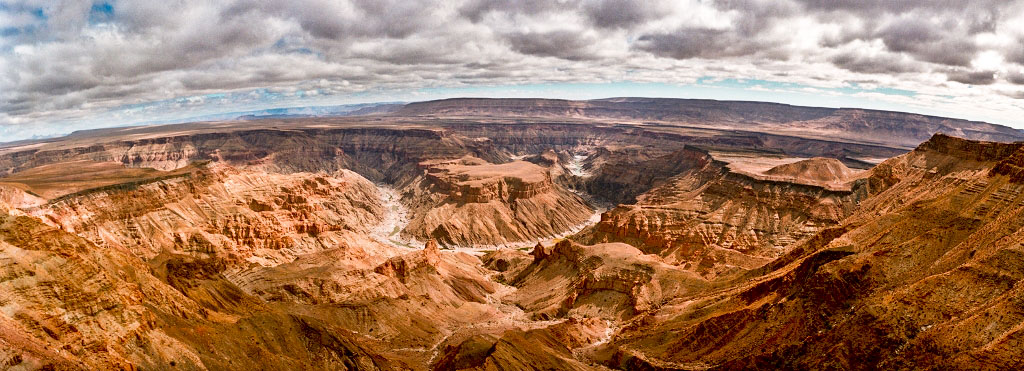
(517, 234)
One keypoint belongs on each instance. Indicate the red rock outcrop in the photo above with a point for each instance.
(267, 251)
(713, 221)
(471, 180)
(471, 202)
(548, 348)
(401, 267)
(250, 215)
(69, 304)
(614, 281)
(926, 273)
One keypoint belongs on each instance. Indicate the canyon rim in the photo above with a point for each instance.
(506, 185)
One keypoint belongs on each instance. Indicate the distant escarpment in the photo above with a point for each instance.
(870, 126)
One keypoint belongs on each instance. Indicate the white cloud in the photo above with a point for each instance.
(60, 69)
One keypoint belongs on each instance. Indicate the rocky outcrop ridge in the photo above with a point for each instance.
(614, 281)
(401, 267)
(1012, 166)
(922, 275)
(250, 215)
(714, 221)
(470, 202)
(471, 180)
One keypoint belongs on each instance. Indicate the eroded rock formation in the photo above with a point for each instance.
(269, 245)
(925, 273)
(471, 202)
(714, 221)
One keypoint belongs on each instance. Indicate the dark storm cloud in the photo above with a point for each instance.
(879, 64)
(1015, 51)
(620, 13)
(877, 7)
(1016, 77)
(928, 41)
(342, 20)
(972, 77)
(746, 36)
(475, 10)
(561, 44)
(689, 43)
(610, 14)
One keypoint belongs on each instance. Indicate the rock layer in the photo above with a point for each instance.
(259, 245)
(925, 273)
(713, 221)
(471, 202)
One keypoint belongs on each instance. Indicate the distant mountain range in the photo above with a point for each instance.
(905, 130)
(294, 112)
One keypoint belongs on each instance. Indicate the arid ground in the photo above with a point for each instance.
(510, 234)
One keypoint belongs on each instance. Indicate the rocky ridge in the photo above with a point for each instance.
(923, 273)
(519, 202)
(271, 253)
(714, 221)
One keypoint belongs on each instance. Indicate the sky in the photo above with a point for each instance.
(72, 65)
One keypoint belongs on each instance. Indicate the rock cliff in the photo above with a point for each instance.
(285, 243)
(712, 220)
(925, 273)
(471, 202)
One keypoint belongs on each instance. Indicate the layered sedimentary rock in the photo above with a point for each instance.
(69, 304)
(471, 180)
(551, 348)
(926, 273)
(252, 245)
(613, 281)
(824, 172)
(250, 215)
(407, 303)
(712, 220)
(471, 202)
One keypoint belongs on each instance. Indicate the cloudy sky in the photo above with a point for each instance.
(69, 65)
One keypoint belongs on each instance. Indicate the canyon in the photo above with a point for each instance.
(486, 234)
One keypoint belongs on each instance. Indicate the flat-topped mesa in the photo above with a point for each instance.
(969, 149)
(818, 169)
(828, 173)
(472, 180)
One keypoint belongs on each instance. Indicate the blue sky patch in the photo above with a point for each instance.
(101, 12)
